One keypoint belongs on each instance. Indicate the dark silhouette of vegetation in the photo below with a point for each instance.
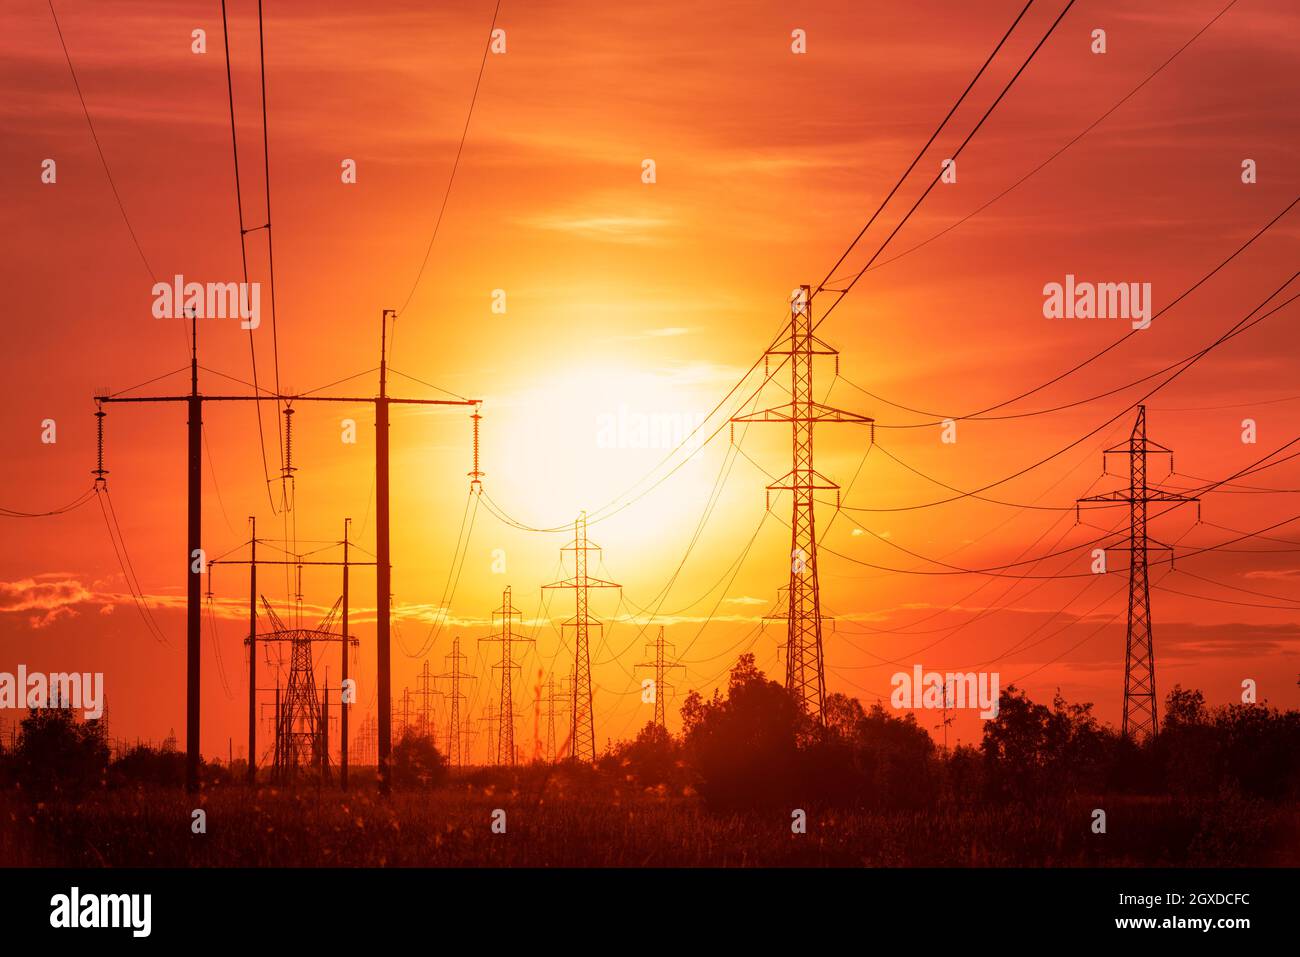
(417, 763)
(1217, 787)
(745, 747)
(57, 755)
(655, 758)
(1032, 751)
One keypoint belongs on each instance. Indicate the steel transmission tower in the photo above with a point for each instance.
(506, 709)
(489, 717)
(426, 692)
(454, 674)
(661, 665)
(552, 698)
(1140, 718)
(300, 734)
(805, 671)
(583, 729)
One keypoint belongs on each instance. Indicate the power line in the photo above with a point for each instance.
(969, 136)
(456, 163)
(1086, 130)
(243, 252)
(1093, 358)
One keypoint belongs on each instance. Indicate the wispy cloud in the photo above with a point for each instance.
(610, 229)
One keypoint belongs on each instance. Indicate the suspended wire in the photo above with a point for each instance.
(99, 147)
(455, 395)
(939, 417)
(331, 385)
(71, 506)
(266, 168)
(1132, 405)
(1236, 330)
(1086, 130)
(455, 163)
(920, 153)
(454, 570)
(216, 651)
(598, 515)
(956, 153)
(243, 251)
(128, 569)
(157, 378)
(1245, 591)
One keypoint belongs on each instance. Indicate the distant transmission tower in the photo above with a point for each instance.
(552, 699)
(301, 739)
(661, 665)
(454, 674)
(1140, 718)
(489, 717)
(805, 669)
(506, 709)
(426, 692)
(402, 716)
(583, 728)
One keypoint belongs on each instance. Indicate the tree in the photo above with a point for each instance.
(654, 757)
(58, 755)
(745, 747)
(417, 761)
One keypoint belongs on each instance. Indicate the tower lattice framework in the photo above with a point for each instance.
(583, 727)
(1140, 702)
(506, 707)
(661, 666)
(455, 674)
(301, 738)
(805, 670)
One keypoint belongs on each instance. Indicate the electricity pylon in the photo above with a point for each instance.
(194, 402)
(583, 729)
(300, 735)
(1140, 718)
(552, 698)
(454, 674)
(805, 668)
(402, 716)
(506, 709)
(661, 665)
(489, 717)
(426, 692)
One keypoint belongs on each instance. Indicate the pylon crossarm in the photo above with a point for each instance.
(814, 478)
(1171, 497)
(825, 413)
(774, 414)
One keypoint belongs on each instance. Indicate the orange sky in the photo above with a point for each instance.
(654, 299)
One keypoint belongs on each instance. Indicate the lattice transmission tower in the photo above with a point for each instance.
(506, 708)
(583, 729)
(301, 738)
(661, 666)
(553, 700)
(1140, 717)
(426, 692)
(805, 669)
(454, 674)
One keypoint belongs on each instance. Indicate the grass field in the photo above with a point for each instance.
(555, 820)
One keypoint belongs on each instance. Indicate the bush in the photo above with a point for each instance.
(417, 762)
(58, 755)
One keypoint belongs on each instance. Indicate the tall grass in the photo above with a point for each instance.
(558, 820)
